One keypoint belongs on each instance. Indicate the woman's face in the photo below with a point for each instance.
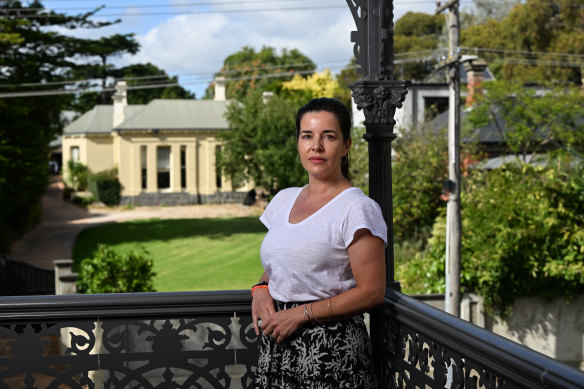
(321, 145)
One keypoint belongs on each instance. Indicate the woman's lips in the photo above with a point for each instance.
(316, 159)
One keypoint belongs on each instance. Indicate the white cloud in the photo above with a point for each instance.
(198, 43)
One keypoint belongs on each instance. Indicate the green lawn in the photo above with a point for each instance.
(188, 254)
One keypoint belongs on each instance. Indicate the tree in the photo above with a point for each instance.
(313, 86)
(416, 32)
(419, 168)
(260, 145)
(346, 77)
(550, 32)
(531, 121)
(134, 75)
(248, 70)
(484, 10)
(105, 48)
(31, 51)
(526, 242)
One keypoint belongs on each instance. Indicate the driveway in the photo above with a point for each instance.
(62, 221)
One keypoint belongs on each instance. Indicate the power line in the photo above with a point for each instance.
(205, 74)
(553, 60)
(305, 8)
(145, 86)
(179, 5)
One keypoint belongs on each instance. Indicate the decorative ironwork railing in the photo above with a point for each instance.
(206, 340)
(423, 347)
(143, 340)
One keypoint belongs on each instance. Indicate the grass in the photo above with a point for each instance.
(188, 254)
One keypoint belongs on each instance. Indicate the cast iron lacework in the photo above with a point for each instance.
(416, 361)
(208, 352)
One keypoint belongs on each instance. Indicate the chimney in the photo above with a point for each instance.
(220, 89)
(120, 99)
(475, 71)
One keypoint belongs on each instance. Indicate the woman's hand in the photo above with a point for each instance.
(262, 307)
(280, 325)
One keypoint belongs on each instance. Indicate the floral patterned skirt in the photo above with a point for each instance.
(331, 355)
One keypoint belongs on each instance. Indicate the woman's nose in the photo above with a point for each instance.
(317, 145)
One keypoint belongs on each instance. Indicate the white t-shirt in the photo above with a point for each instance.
(309, 260)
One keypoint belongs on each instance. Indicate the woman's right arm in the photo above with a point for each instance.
(262, 305)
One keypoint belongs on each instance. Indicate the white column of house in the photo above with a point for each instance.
(152, 169)
(207, 166)
(175, 168)
(136, 166)
(192, 167)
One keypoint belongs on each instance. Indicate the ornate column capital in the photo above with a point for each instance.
(379, 100)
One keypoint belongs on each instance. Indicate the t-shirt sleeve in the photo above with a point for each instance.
(273, 208)
(364, 213)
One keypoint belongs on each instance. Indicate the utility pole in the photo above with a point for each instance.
(453, 222)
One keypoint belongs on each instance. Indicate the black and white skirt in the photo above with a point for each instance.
(331, 355)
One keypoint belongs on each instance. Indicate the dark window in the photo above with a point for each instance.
(183, 167)
(143, 166)
(163, 167)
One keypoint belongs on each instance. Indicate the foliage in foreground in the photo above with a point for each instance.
(112, 272)
(419, 167)
(523, 232)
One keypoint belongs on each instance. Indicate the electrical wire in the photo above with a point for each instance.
(554, 60)
(133, 6)
(201, 12)
(147, 86)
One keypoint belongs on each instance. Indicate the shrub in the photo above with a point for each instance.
(105, 186)
(523, 234)
(111, 272)
(78, 174)
(420, 166)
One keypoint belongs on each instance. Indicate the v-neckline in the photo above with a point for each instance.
(326, 205)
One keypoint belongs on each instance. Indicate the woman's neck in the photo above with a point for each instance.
(318, 188)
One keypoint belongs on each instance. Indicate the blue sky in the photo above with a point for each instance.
(191, 38)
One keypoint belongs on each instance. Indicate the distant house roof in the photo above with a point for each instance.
(98, 120)
(488, 134)
(179, 115)
(497, 162)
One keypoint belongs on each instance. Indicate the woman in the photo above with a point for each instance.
(323, 258)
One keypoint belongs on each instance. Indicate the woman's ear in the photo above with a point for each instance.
(348, 144)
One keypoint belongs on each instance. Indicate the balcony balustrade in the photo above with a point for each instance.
(206, 340)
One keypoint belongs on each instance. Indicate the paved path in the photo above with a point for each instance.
(62, 221)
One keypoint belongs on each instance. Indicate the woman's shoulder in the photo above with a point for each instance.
(355, 198)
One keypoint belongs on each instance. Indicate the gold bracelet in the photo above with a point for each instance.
(315, 319)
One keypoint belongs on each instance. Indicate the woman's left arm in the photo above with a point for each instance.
(367, 259)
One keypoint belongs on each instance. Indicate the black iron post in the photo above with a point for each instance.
(378, 94)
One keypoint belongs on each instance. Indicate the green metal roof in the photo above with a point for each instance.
(179, 115)
(98, 120)
(160, 114)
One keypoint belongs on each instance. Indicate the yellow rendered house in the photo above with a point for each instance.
(164, 151)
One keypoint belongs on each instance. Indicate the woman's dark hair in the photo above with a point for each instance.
(343, 116)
